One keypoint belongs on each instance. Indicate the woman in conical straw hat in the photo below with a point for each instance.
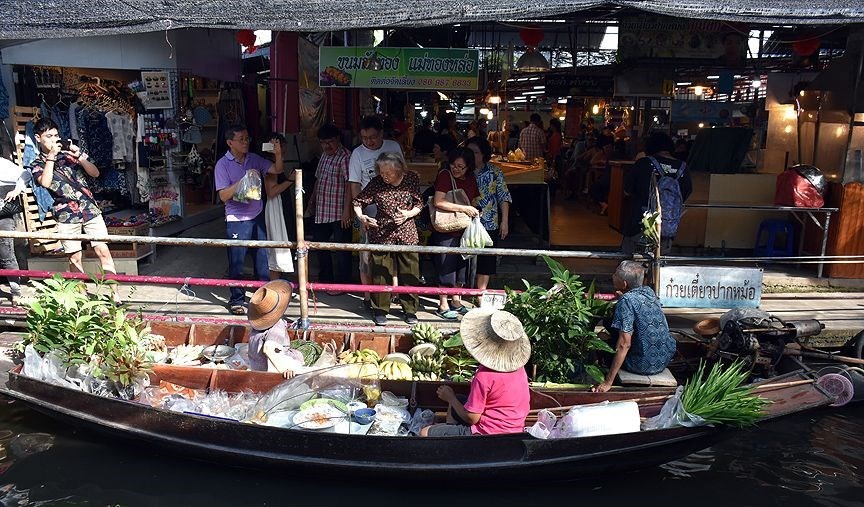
(266, 309)
(499, 399)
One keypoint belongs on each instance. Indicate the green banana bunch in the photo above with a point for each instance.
(650, 227)
(426, 333)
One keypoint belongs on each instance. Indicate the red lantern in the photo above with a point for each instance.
(246, 38)
(531, 36)
(806, 47)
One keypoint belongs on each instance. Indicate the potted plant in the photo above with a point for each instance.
(560, 322)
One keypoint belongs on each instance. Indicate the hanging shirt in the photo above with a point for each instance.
(120, 126)
(73, 200)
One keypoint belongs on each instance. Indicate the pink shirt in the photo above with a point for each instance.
(501, 399)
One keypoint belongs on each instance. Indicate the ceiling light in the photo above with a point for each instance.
(532, 61)
(495, 99)
(443, 97)
(701, 124)
(376, 98)
(788, 129)
(595, 110)
(484, 110)
(489, 115)
(697, 90)
(424, 114)
(757, 83)
(561, 118)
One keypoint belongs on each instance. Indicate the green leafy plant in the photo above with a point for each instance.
(460, 365)
(87, 328)
(560, 322)
(721, 397)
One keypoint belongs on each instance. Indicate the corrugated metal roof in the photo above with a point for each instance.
(69, 18)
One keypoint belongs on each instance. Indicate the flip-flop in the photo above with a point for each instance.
(461, 310)
(238, 310)
(447, 314)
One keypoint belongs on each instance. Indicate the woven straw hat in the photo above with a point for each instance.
(707, 327)
(496, 339)
(268, 304)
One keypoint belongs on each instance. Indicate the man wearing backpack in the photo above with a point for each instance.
(659, 167)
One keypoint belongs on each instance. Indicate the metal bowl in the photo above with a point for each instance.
(217, 353)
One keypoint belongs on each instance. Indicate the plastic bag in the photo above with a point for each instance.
(327, 358)
(475, 236)
(278, 259)
(673, 414)
(420, 420)
(32, 363)
(249, 188)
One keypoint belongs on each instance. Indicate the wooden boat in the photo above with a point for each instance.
(519, 456)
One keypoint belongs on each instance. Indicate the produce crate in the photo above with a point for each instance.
(127, 250)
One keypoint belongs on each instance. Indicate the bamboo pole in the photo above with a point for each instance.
(655, 273)
(302, 252)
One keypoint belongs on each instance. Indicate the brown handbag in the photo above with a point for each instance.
(450, 221)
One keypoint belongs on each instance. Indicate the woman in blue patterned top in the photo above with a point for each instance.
(494, 204)
(645, 345)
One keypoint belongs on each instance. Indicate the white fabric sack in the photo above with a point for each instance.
(278, 259)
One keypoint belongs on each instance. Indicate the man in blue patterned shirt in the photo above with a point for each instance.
(645, 346)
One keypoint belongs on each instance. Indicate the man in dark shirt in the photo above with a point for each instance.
(637, 186)
(60, 168)
(424, 139)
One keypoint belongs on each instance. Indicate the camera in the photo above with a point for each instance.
(65, 144)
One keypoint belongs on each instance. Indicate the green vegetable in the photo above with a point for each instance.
(310, 350)
(720, 396)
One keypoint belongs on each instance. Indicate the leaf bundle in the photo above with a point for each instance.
(720, 396)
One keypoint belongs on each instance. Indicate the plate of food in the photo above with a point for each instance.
(338, 405)
(318, 417)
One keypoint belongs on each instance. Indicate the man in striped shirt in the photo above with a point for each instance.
(532, 139)
(331, 202)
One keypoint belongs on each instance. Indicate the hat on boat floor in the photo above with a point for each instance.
(707, 327)
(496, 339)
(268, 304)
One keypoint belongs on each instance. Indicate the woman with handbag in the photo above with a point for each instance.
(452, 209)
(12, 185)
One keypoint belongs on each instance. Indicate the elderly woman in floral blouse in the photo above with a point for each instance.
(396, 194)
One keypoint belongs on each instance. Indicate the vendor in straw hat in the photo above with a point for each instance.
(266, 308)
(499, 399)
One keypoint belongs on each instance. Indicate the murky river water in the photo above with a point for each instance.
(809, 459)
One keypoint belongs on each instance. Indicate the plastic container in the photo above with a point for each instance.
(602, 419)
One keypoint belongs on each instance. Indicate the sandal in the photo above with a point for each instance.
(461, 309)
(238, 310)
(447, 314)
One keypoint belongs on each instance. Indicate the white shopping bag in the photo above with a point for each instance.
(279, 259)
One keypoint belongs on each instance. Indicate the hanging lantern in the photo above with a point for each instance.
(532, 60)
(806, 47)
(246, 38)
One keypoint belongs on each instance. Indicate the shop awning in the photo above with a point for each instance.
(34, 19)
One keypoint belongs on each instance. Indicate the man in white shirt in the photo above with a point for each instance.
(361, 170)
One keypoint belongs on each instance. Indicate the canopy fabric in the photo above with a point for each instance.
(71, 18)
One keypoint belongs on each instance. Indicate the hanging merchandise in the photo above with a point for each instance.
(158, 90)
(194, 161)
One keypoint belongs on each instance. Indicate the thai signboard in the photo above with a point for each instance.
(710, 287)
(667, 37)
(570, 85)
(405, 68)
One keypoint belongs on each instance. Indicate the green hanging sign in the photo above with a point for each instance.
(405, 68)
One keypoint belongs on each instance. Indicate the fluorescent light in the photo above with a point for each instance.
(713, 77)
(698, 90)
(541, 87)
(533, 93)
(443, 97)
(561, 118)
(489, 115)
(484, 110)
(495, 99)
(683, 83)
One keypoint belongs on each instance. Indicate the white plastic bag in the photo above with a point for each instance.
(475, 236)
(673, 414)
(279, 259)
(249, 188)
(32, 363)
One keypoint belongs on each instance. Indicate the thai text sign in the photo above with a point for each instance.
(647, 36)
(710, 287)
(580, 86)
(409, 68)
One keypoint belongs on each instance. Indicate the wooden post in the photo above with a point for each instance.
(302, 251)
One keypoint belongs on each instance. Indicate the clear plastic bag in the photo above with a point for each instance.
(673, 414)
(249, 188)
(32, 363)
(420, 420)
(475, 236)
